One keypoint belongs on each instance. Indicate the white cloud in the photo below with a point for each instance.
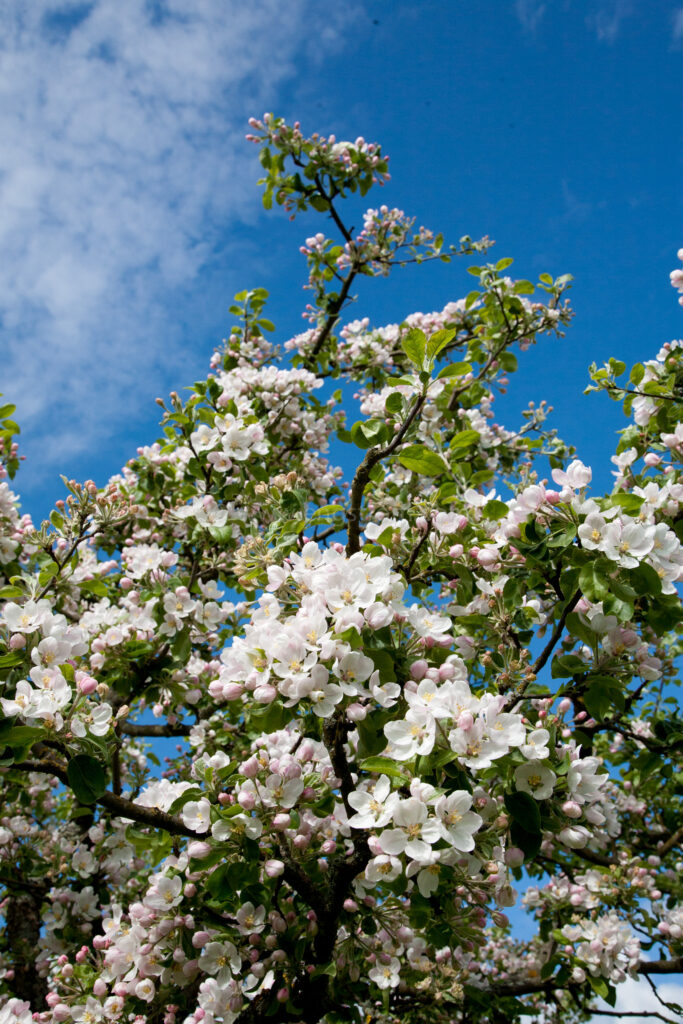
(122, 164)
(530, 13)
(637, 997)
(606, 21)
(677, 33)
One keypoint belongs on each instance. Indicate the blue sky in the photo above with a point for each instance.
(130, 214)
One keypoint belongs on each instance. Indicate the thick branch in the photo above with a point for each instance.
(556, 634)
(118, 805)
(155, 730)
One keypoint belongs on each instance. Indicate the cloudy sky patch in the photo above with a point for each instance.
(123, 163)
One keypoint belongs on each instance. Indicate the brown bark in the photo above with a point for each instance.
(23, 922)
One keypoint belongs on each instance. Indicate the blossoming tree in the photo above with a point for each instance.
(400, 705)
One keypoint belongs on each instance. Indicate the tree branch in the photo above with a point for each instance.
(118, 805)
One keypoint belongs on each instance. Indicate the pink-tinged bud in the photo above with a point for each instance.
(231, 691)
(350, 906)
(456, 550)
(421, 524)
(67, 971)
(224, 799)
(572, 809)
(465, 720)
(514, 857)
(99, 987)
(61, 1012)
(418, 669)
(564, 705)
(282, 821)
(282, 995)
(301, 842)
(126, 583)
(198, 850)
(82, 955)
(446, 671)
(274, 868)
(663, 927)
(121, 989)
(329, 846)
(580, 717)
(17, 642)
(52, 999)
(356, 712)
(250, 768)
(652, 459)
(200, 939)
(99, 942)
(87, 685)
(246, 799)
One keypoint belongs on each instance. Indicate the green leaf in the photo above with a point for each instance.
(87, 778)
(423, 460)
(11, 659)
(384, 766)
(438, 342)
(594, 579)
(637, 374)
(528, 842)
(630, 503)
(465, 438)
(603, 694)
(394, 402)
(182, 646)
(96, 587)
(495, 509)
(455, 370)
(414, 344)
(369, 433)
(524, 809)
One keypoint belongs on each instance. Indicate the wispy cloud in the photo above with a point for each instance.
(607, 19)
(636, 996)
(677, 26)
(122, 163)
(530, 13)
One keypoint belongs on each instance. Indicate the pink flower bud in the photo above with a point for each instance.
(514, 857)
(87, 685)
(274, 868)
(99, 987)
(17, 642)
(418, 669)
(198, 850)
(231, 691)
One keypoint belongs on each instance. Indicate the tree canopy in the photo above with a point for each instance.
(397, 707)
